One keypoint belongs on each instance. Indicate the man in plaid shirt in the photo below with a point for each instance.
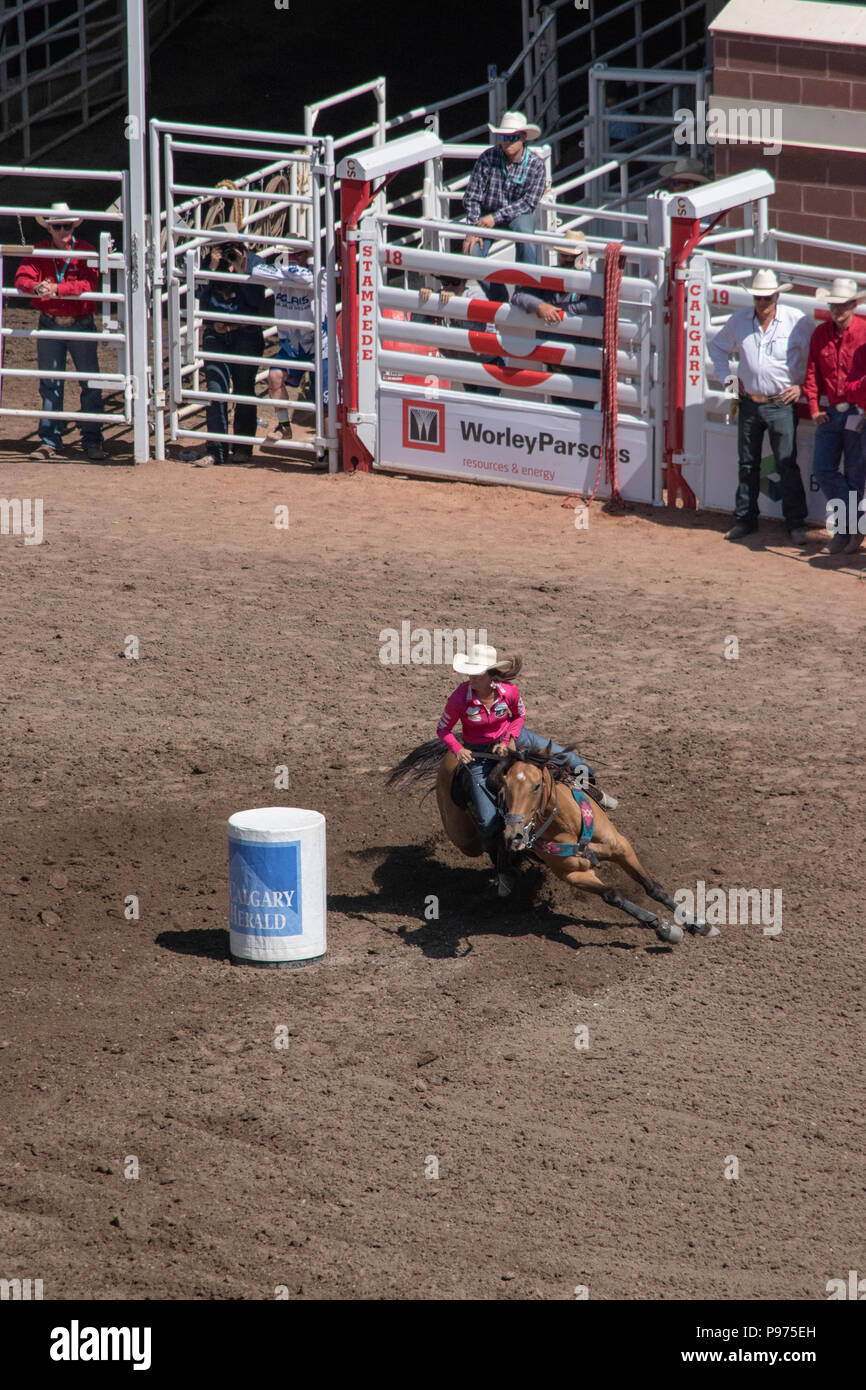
(504, 189)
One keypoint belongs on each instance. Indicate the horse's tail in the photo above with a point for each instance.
(418, 765)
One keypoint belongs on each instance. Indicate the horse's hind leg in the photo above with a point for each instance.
(588, 881)
(621, 853)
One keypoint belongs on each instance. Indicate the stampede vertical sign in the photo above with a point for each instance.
(367, 275)
(693, 397)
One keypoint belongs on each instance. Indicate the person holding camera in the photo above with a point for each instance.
(230, 335)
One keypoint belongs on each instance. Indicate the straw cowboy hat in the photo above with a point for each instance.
(476, 660)
(60, 215)
(514, 121)
(575, 242)
(842, 291)
(765, 283)
(691, 169)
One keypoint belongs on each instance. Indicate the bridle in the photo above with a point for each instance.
(530, 834)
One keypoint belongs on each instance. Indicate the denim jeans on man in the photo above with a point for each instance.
(484, 802)
(779, 421)
(238, 378)
(51, 356)
(524, 251)
(834, 445)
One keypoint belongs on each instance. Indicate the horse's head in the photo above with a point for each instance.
(523, 783)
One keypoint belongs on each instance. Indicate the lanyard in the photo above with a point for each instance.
(515, 173)
(60, 275)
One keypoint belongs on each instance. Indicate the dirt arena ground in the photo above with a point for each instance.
(559, 1167)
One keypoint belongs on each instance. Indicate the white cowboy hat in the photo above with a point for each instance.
(765, 283)
(841, 291)
(476, 660)
(229, 227)
(513, 121)
(684, 169)
(60, 215)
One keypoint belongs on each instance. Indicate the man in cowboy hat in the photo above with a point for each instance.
(681, 174)
(552, 306)
(58, 286)
(228, 334)
(505, 187)
(772, 341)
(831, 357)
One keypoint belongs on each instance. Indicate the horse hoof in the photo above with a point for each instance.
(703, 929)
(504, 885)
(669, 931)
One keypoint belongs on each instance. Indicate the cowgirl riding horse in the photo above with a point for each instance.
(491, 711)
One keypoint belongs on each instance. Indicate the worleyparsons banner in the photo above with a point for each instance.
(472, 437)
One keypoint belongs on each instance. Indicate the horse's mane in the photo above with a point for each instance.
(422, 763)
(555, 764)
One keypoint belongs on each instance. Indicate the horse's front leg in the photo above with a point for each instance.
(620, 851)
(586, 880)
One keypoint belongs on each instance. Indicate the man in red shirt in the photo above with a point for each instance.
(831, 355)
(57, 285)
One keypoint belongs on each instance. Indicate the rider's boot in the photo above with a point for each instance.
(609, 803)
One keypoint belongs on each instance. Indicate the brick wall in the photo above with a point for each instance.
(818, 193)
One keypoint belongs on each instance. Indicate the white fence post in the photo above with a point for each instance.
(137, 245)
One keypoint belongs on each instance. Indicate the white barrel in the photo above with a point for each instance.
(277, 886)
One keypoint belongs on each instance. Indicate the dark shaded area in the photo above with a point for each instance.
(524, 913)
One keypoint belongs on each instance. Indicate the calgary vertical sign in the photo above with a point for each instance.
(693, 397)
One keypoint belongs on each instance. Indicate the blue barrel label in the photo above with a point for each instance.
(265, 888)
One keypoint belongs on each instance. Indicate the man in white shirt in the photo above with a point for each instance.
(772, 343)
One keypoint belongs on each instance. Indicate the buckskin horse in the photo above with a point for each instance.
(544, 813)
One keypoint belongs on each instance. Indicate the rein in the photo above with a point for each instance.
(563, 851)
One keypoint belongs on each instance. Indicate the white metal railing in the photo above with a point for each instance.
(271, 221)
(59, 73)
(112, 297)
(535, 83)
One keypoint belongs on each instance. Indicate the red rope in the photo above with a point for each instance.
(614, 264)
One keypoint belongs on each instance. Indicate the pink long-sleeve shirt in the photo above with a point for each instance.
(503, 720)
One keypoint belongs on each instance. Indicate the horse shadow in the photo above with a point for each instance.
(409, 880)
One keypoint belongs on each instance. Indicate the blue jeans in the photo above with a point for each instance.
(51, 356)
(288, 353)
(524, 251)
(834, 445)
(247, 340)
(780, 423)
(526, 739)
(483, 800)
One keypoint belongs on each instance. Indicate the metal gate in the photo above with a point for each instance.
(277, 190)
(104, 201)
